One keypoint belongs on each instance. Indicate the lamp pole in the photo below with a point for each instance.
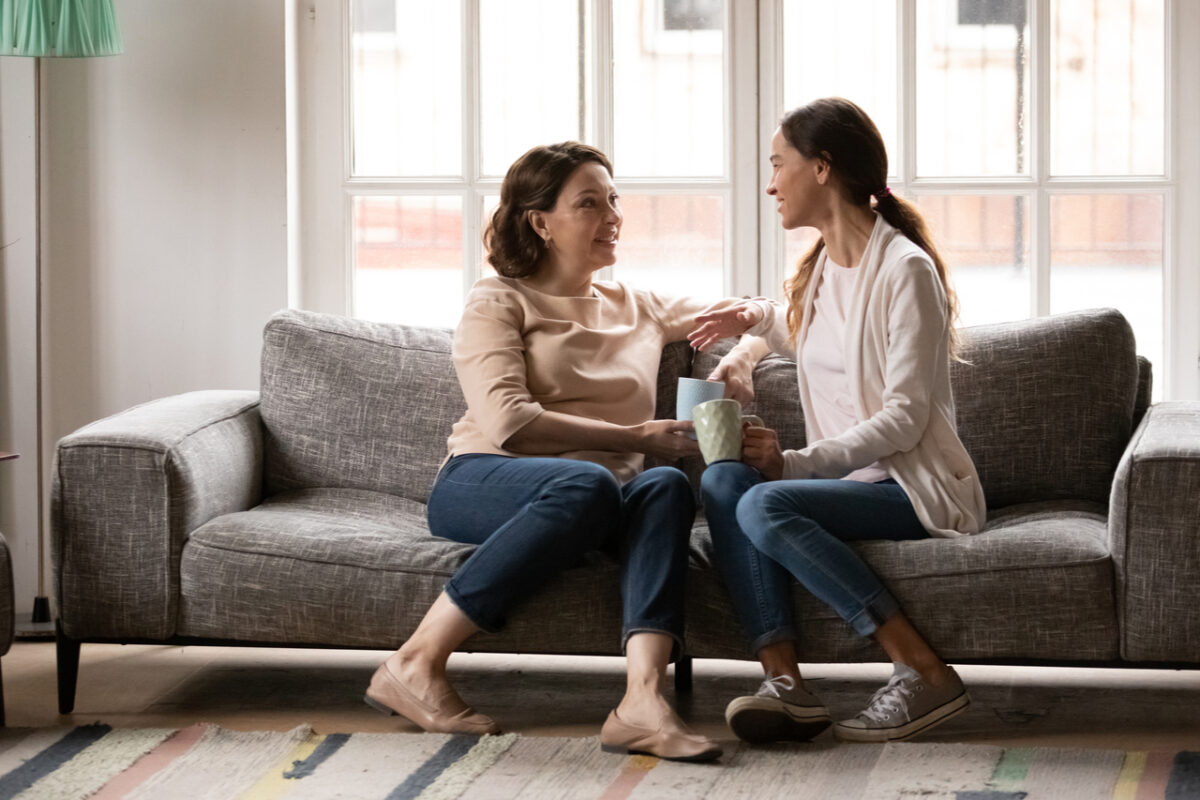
(40, 617)
(38, 29)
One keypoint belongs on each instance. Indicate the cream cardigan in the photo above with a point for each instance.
(897, 344)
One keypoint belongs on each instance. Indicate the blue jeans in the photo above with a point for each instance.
(765, 533)
(534, 517)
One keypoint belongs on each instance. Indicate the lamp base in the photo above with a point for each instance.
(36, 625)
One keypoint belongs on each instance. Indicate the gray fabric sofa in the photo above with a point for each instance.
(295, 515)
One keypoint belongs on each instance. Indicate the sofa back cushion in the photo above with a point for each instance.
(1046, 406)
(362, 405)
(356, 405)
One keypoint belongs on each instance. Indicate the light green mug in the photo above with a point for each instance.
(719, 429)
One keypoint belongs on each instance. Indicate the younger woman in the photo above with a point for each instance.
(869, 321)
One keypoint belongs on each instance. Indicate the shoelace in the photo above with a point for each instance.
(893, 697)
(772, 685)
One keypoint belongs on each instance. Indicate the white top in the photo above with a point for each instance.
(896, 342)
(823, 360)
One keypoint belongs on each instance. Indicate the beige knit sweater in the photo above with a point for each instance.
(519, 352)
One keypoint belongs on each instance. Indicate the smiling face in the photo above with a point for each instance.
(585, 223)
(795, 183)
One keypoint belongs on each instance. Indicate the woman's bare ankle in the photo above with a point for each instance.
(647, 710)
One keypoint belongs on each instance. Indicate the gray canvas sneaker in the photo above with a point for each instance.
(904, 708)
(779, 711)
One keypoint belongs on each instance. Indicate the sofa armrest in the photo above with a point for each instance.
(128, 490)
(1154, 528)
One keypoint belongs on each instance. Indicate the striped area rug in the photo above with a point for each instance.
(207, 761)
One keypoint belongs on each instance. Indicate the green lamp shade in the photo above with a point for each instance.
(59, 28)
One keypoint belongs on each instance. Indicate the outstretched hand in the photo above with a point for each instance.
(713, 326)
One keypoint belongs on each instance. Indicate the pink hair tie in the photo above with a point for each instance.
(884, 192)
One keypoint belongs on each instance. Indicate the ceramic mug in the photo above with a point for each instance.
(691, 393)
(719, 429)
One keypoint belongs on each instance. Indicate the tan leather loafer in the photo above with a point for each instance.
(388, 695)
(618, 736)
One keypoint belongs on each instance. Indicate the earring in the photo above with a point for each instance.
(546, 242)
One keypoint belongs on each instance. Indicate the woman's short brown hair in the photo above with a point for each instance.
(532, 183)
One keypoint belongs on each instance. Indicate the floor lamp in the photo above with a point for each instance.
(40, 29)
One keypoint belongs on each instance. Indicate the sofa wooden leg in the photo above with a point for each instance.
(67, 650)
(683, 675)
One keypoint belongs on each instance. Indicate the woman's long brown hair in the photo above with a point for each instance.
(840, 133)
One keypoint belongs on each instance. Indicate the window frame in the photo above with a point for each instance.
(321, 254)
(1179, 185)
(325, 274)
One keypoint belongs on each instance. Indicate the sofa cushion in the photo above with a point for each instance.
(1035, 584)
(362, 405)
(354, 404)
(354, 568)
(1045, 406)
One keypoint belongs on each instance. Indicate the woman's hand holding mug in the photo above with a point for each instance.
(760, 449)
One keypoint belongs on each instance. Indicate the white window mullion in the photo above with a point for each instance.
(347, 160)
(1039, 213)
(602, 132)
(743, 154)
(906, 93)
(772, 270)
(323, 74)
(472, 200)
(1181, 283)
(601, 101)
(1170, 221)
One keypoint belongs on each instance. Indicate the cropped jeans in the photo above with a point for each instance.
(534, 517)
(765, 533)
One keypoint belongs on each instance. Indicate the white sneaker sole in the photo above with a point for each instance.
(762, 719)
(949, 709)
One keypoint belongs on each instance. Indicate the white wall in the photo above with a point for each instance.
(18, 356)
(164, 214)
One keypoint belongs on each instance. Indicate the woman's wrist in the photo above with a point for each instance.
(748, 351)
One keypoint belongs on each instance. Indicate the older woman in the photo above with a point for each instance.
(559, 373)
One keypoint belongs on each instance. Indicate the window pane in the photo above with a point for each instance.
(847, 49)
(1106, 87)
(668, 88)
(673, 244)
(1107, 251)
(972, 87)
(411, 71)
(408, 259)
(984, 240)
(529, 57)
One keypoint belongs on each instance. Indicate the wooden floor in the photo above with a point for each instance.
(278, 689)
